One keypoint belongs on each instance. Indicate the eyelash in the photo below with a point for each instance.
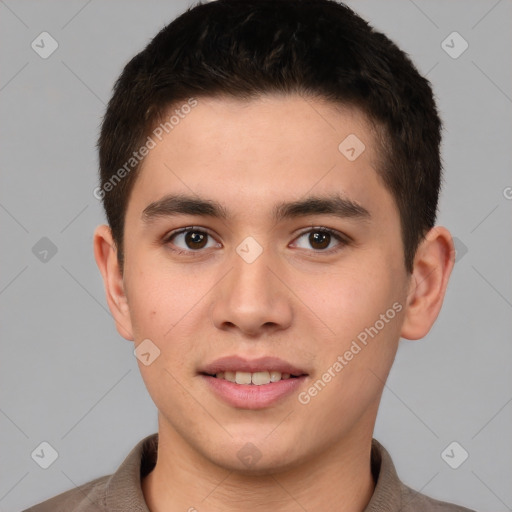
(342, 240)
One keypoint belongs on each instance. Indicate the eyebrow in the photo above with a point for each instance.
(335, 204)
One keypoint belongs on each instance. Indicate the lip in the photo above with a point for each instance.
(237, 363)
(249, 396)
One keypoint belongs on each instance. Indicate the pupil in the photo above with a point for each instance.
(319, 240)
(195, 239)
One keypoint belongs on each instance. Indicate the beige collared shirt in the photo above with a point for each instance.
(122, 492)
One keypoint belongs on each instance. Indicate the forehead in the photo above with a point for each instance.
(253, 151)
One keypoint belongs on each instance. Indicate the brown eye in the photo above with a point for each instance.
(196, 239)
(319, 239)
(190, 240)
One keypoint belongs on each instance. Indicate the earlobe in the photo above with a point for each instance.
(105, 254)
(433, 265)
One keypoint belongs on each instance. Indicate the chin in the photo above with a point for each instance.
(265, 465)
(254, 455)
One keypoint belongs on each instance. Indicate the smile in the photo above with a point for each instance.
(255, 378)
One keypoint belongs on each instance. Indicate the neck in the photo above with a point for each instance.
(182, 480)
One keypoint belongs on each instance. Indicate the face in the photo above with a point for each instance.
(255, 243)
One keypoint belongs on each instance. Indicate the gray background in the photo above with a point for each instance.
(69, 379)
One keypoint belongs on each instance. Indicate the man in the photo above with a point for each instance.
(270, 173)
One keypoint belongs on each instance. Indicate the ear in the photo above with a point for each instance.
(433, 265)
(105, 253)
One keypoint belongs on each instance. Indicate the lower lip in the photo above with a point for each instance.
(250, 396)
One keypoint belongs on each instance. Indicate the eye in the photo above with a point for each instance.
(190, 239)
(321, 240)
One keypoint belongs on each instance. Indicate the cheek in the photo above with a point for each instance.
(365, 311)
(154, 302)
(349, 300)
(157, 296)
(365, 315)
(170, 310)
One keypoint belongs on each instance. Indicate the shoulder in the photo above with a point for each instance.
(118, 491)
(89, 497)
(391, 494)
(414, 501)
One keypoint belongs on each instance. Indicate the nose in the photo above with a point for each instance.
(251, 299)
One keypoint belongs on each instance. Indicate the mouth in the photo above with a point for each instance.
(258, 378)
(258, 372)
(252, 384)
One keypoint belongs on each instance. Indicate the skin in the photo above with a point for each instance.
(296, 301)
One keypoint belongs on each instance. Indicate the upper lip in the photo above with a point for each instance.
(262, 364)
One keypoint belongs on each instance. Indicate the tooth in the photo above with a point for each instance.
(231, 376)
(243, 378)
(260, 378)
(275, 376)
(219, 375)
(285, 376)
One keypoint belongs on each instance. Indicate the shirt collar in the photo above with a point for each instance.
(124, 491)
(387, 494)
